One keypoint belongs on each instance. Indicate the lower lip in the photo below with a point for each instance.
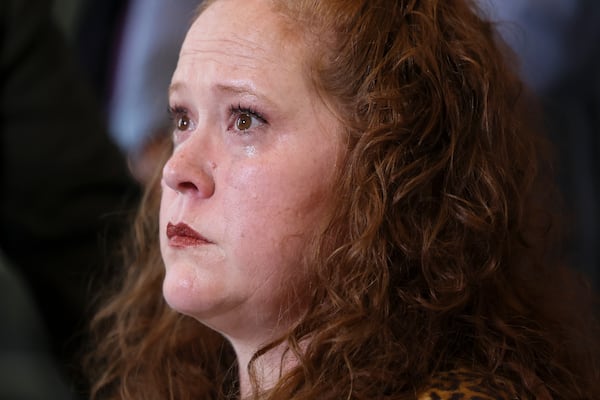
(186, 241)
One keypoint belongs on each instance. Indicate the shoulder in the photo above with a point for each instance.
(467, 385)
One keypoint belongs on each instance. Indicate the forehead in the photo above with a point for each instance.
(244, 28)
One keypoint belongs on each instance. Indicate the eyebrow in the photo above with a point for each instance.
(234, 88)
(238, 88)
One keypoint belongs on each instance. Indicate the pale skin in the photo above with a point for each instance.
(254, 159)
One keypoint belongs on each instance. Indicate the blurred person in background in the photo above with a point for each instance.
(28, 370)
(65, 189)
(130, 50)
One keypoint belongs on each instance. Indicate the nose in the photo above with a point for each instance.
(188, 171)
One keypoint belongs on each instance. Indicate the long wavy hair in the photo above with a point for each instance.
(439, 253)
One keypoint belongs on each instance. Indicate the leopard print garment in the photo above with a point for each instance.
(465, 385)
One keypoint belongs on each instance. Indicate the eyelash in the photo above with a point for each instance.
(239, 109)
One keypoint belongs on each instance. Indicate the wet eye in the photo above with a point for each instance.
(180, 118)
(243, 121)
(182, 123)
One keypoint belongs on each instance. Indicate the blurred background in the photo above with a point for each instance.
(558, 47)
(128, 50)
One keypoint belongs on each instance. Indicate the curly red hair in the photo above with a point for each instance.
(437, 255)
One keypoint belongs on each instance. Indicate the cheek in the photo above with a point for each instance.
(276, 200)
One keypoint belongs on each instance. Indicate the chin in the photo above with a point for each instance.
(183, 294)
(200, 299)
(178, 293)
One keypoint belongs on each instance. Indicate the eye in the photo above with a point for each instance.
(182, 123)
(245, 119)
(180, 118)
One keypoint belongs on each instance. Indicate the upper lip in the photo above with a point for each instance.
(182, 229)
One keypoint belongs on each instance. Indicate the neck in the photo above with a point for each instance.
(267, 368)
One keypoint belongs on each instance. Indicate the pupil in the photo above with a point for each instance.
(244, 121)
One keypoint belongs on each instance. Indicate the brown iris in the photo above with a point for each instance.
(243, 122)
(183, 123)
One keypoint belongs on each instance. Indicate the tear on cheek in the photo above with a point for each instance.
(250, 151)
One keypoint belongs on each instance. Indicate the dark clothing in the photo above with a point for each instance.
(27, 369)
(63, 184)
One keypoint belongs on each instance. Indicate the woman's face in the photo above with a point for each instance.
(254, 157)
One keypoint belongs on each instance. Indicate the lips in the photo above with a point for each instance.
(181, 235)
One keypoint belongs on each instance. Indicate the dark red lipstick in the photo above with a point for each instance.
(181, 235)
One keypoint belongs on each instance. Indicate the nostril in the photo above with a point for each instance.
(202, 186)
(186, 187)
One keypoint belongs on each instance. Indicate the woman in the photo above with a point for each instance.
(347, 212)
